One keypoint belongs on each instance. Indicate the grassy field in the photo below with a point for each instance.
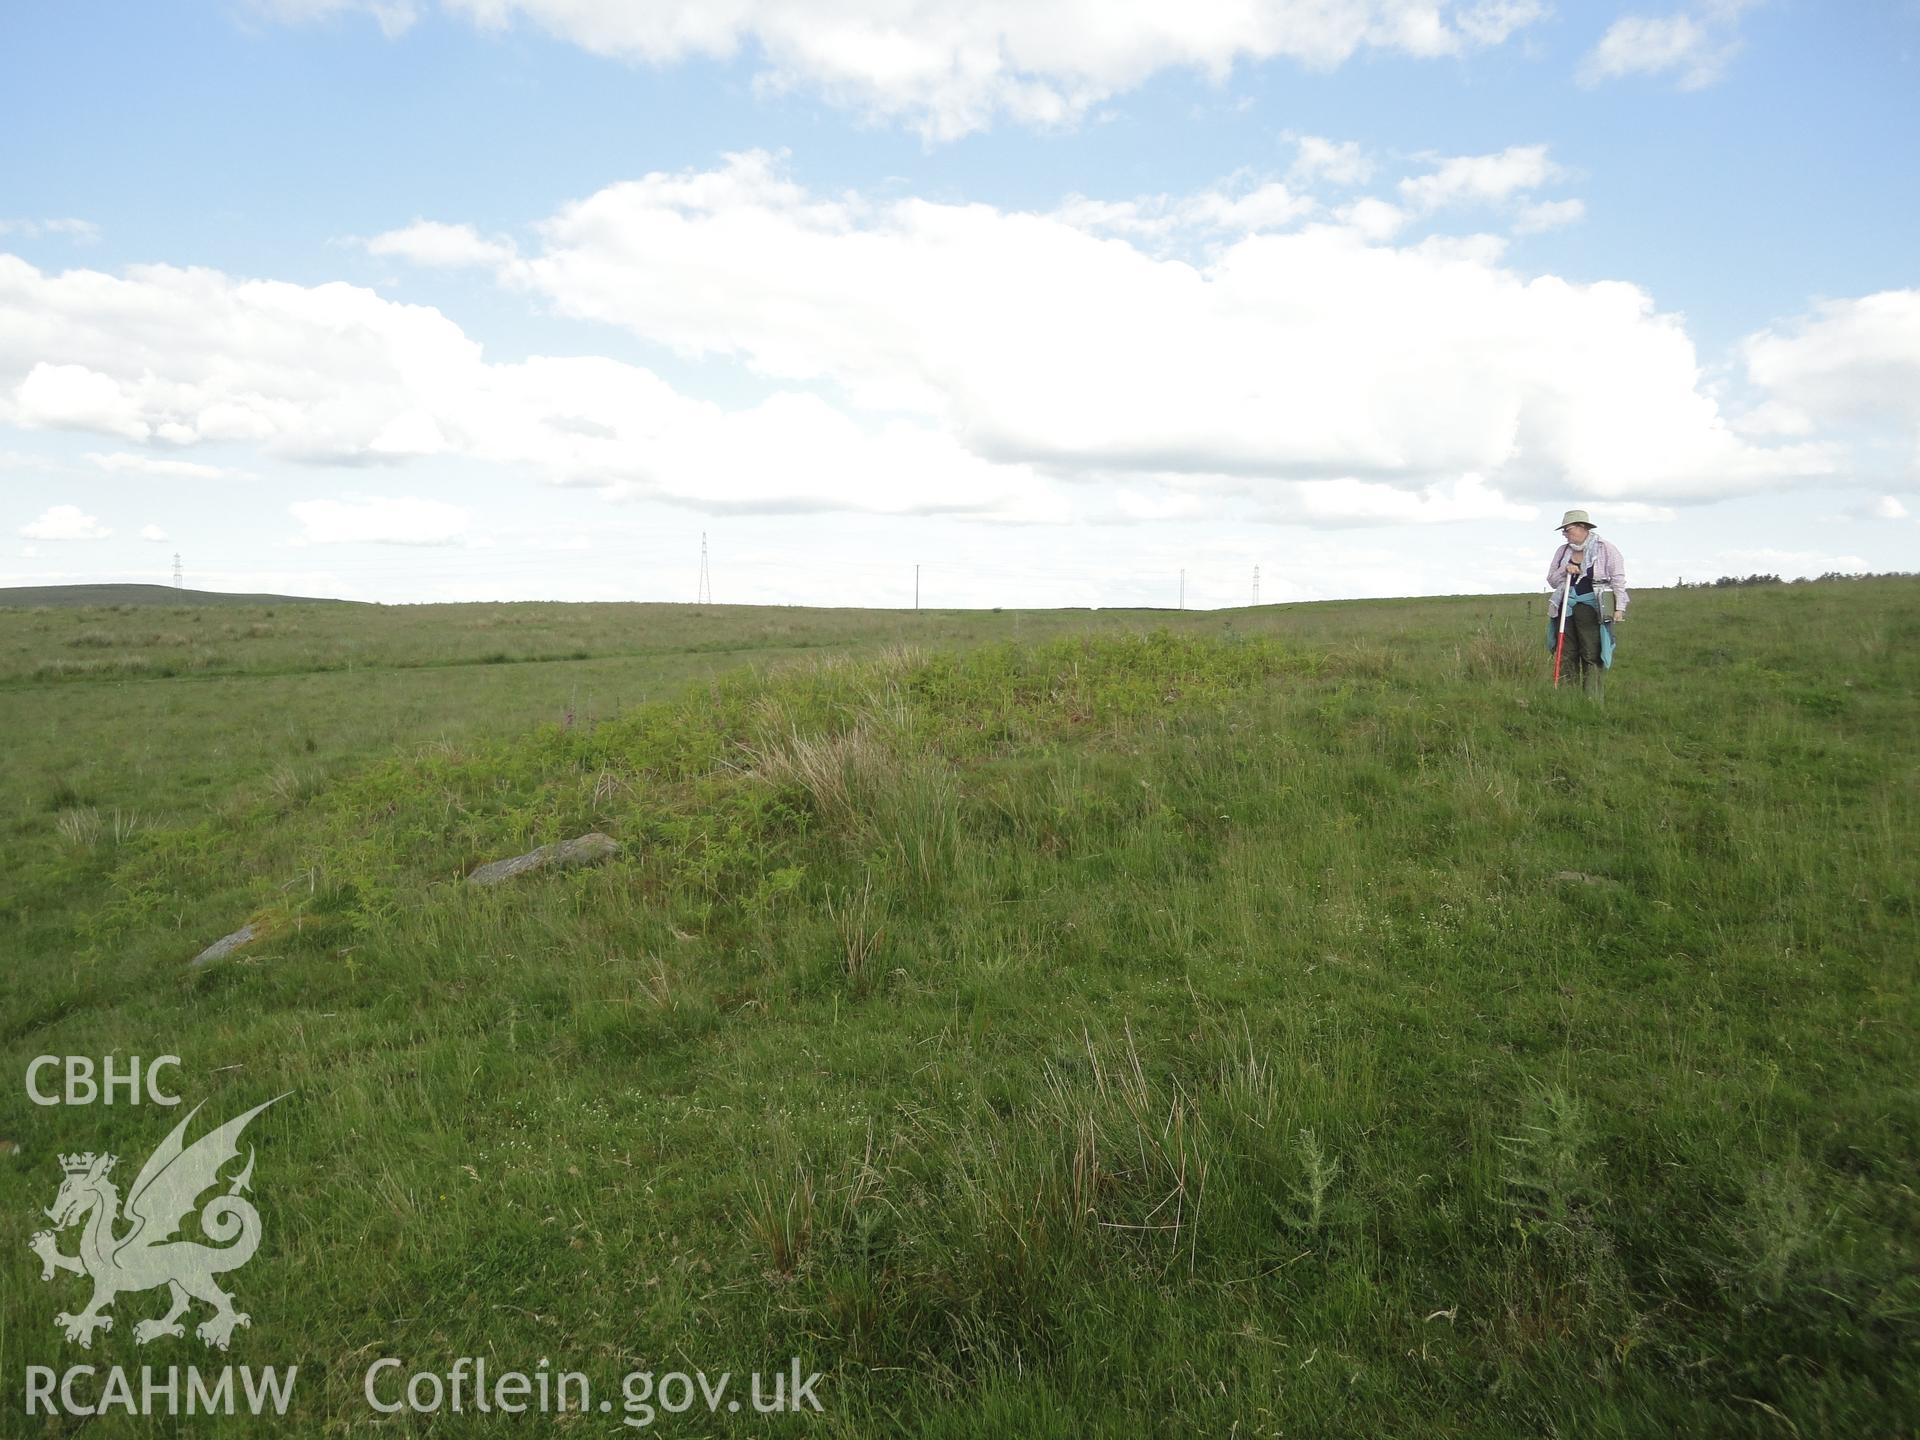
(1289, 1021)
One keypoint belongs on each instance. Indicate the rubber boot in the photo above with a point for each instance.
(1593, 683)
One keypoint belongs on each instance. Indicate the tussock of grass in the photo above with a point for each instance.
(79, 827)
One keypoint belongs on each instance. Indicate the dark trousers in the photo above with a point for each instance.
(1582, 659)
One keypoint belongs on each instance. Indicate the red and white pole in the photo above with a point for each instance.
(1560, 646)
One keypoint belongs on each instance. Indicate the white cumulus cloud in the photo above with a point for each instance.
(1695, 46)
(1240, 204)
(1372, 218)
(74, 397)
(1549, 215)
(1338, 162)
(1243, 341)
(446, 247)
(1480, 179)
(152, 532)
(65, 522)
(1851, 365)
(950, 67)
(1307, 354)
(334, 374)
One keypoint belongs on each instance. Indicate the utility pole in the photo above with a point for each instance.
(704, 594)
(1183, 588)
(916, 584)
(177, 582)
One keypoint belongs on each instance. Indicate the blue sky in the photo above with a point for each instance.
(515, 299)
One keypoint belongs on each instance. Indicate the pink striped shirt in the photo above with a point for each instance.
(1609, 573)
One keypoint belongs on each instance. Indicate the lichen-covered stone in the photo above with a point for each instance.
(585, 849)
(226, 945)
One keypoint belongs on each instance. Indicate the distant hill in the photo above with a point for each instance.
(74, 595)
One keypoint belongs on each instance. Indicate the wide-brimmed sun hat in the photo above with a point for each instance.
(1574, 517)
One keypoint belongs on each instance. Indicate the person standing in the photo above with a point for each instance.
(1597, 569)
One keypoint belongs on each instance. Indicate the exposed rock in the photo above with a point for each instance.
(585, 849)
(1580, 877)
(226, 945)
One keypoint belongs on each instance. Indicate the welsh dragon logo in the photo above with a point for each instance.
(144, 1254)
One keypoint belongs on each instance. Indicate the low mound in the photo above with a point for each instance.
(69, 596)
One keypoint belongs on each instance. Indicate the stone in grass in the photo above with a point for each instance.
(1580, 877)
(227, 944)
(585, 849)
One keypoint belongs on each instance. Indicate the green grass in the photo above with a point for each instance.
(1299, 1020)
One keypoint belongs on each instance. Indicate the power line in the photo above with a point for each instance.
(1081, 580)
(478, 562)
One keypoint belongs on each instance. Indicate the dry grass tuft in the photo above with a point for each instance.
(79, 827)
(833, 770)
